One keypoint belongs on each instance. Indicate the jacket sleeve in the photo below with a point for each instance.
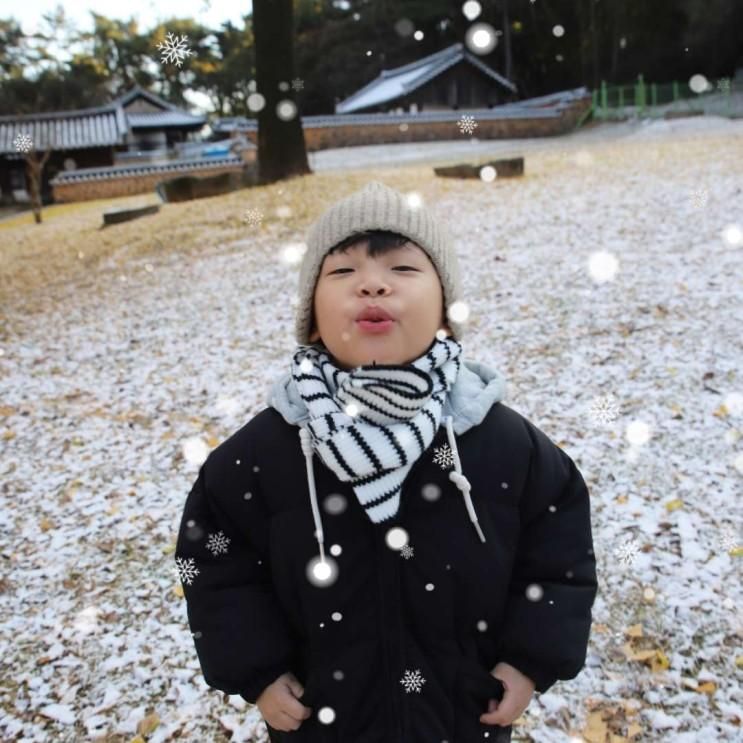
(242, 638)
(553, 585)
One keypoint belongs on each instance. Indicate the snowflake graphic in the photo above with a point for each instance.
(467, 124)
(723, 85)
(443, 456)
(23, 142)
(412, 681)
(253, 217)
(699, 198)
(217, 543)
(174, 49)
(627, 551)
(604, 409)
(406, 551)
(297, 83)
(186, 569)
(728, 539)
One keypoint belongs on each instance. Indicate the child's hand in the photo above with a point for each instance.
(280, 706)
(516, 698)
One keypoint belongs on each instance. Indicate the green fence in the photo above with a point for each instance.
(648, 99)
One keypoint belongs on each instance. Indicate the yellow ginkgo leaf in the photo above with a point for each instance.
(634, 631)
(148, 724)
(659, 662)
(672, 505)
(708, 687)
(595, 730)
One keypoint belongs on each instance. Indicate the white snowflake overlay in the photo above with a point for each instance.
(723, 85)
(253, 217)
(728, 539)
(217, 543)
(412, 681)
(699, 198)
(604, 409)
(174, 49)
(185, 569)
(23, 142)
(406, 551)
(443, 456)
(627, 551)
(297, 83)
(467, 124)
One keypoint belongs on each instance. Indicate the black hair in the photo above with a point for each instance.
(379, 242)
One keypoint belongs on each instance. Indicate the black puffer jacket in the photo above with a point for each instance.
(398, 646)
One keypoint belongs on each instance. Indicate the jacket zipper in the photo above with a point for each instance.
(390, 682)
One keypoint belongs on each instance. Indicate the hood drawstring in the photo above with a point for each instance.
(304, 436)
(456, 476)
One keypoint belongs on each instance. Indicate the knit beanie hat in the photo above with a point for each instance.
(376, 207)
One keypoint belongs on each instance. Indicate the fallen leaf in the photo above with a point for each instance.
(148, 724)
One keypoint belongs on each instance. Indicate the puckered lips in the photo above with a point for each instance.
(374, 319)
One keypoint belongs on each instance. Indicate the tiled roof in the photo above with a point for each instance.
(102, 126)
(400, 81)
(128, 171)
(66, 130)
(543, 107)
(159, 119)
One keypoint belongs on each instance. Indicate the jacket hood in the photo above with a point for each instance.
(473, 393)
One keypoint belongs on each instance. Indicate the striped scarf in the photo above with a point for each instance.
(371, 424)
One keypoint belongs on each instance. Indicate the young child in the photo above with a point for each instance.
(386, 553)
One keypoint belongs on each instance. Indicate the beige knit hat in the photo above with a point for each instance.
(376, 207)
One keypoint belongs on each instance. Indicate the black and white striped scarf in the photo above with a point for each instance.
(369, 425)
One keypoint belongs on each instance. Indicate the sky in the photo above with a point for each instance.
(148, 13)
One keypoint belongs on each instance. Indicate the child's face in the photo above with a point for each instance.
(402, 281)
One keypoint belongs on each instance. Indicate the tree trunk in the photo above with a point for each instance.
(594, 45)
(281, 146)
(581, 41)
(615, 38)
(507, 42)
(34, 170)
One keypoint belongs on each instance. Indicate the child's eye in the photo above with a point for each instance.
(350, 269)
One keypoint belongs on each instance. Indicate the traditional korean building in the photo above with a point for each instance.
(120, 148)
(449, 80)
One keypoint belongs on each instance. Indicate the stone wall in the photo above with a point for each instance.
(504, 127)
(102, 188)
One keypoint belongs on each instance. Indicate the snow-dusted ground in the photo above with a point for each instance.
(105, 374)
